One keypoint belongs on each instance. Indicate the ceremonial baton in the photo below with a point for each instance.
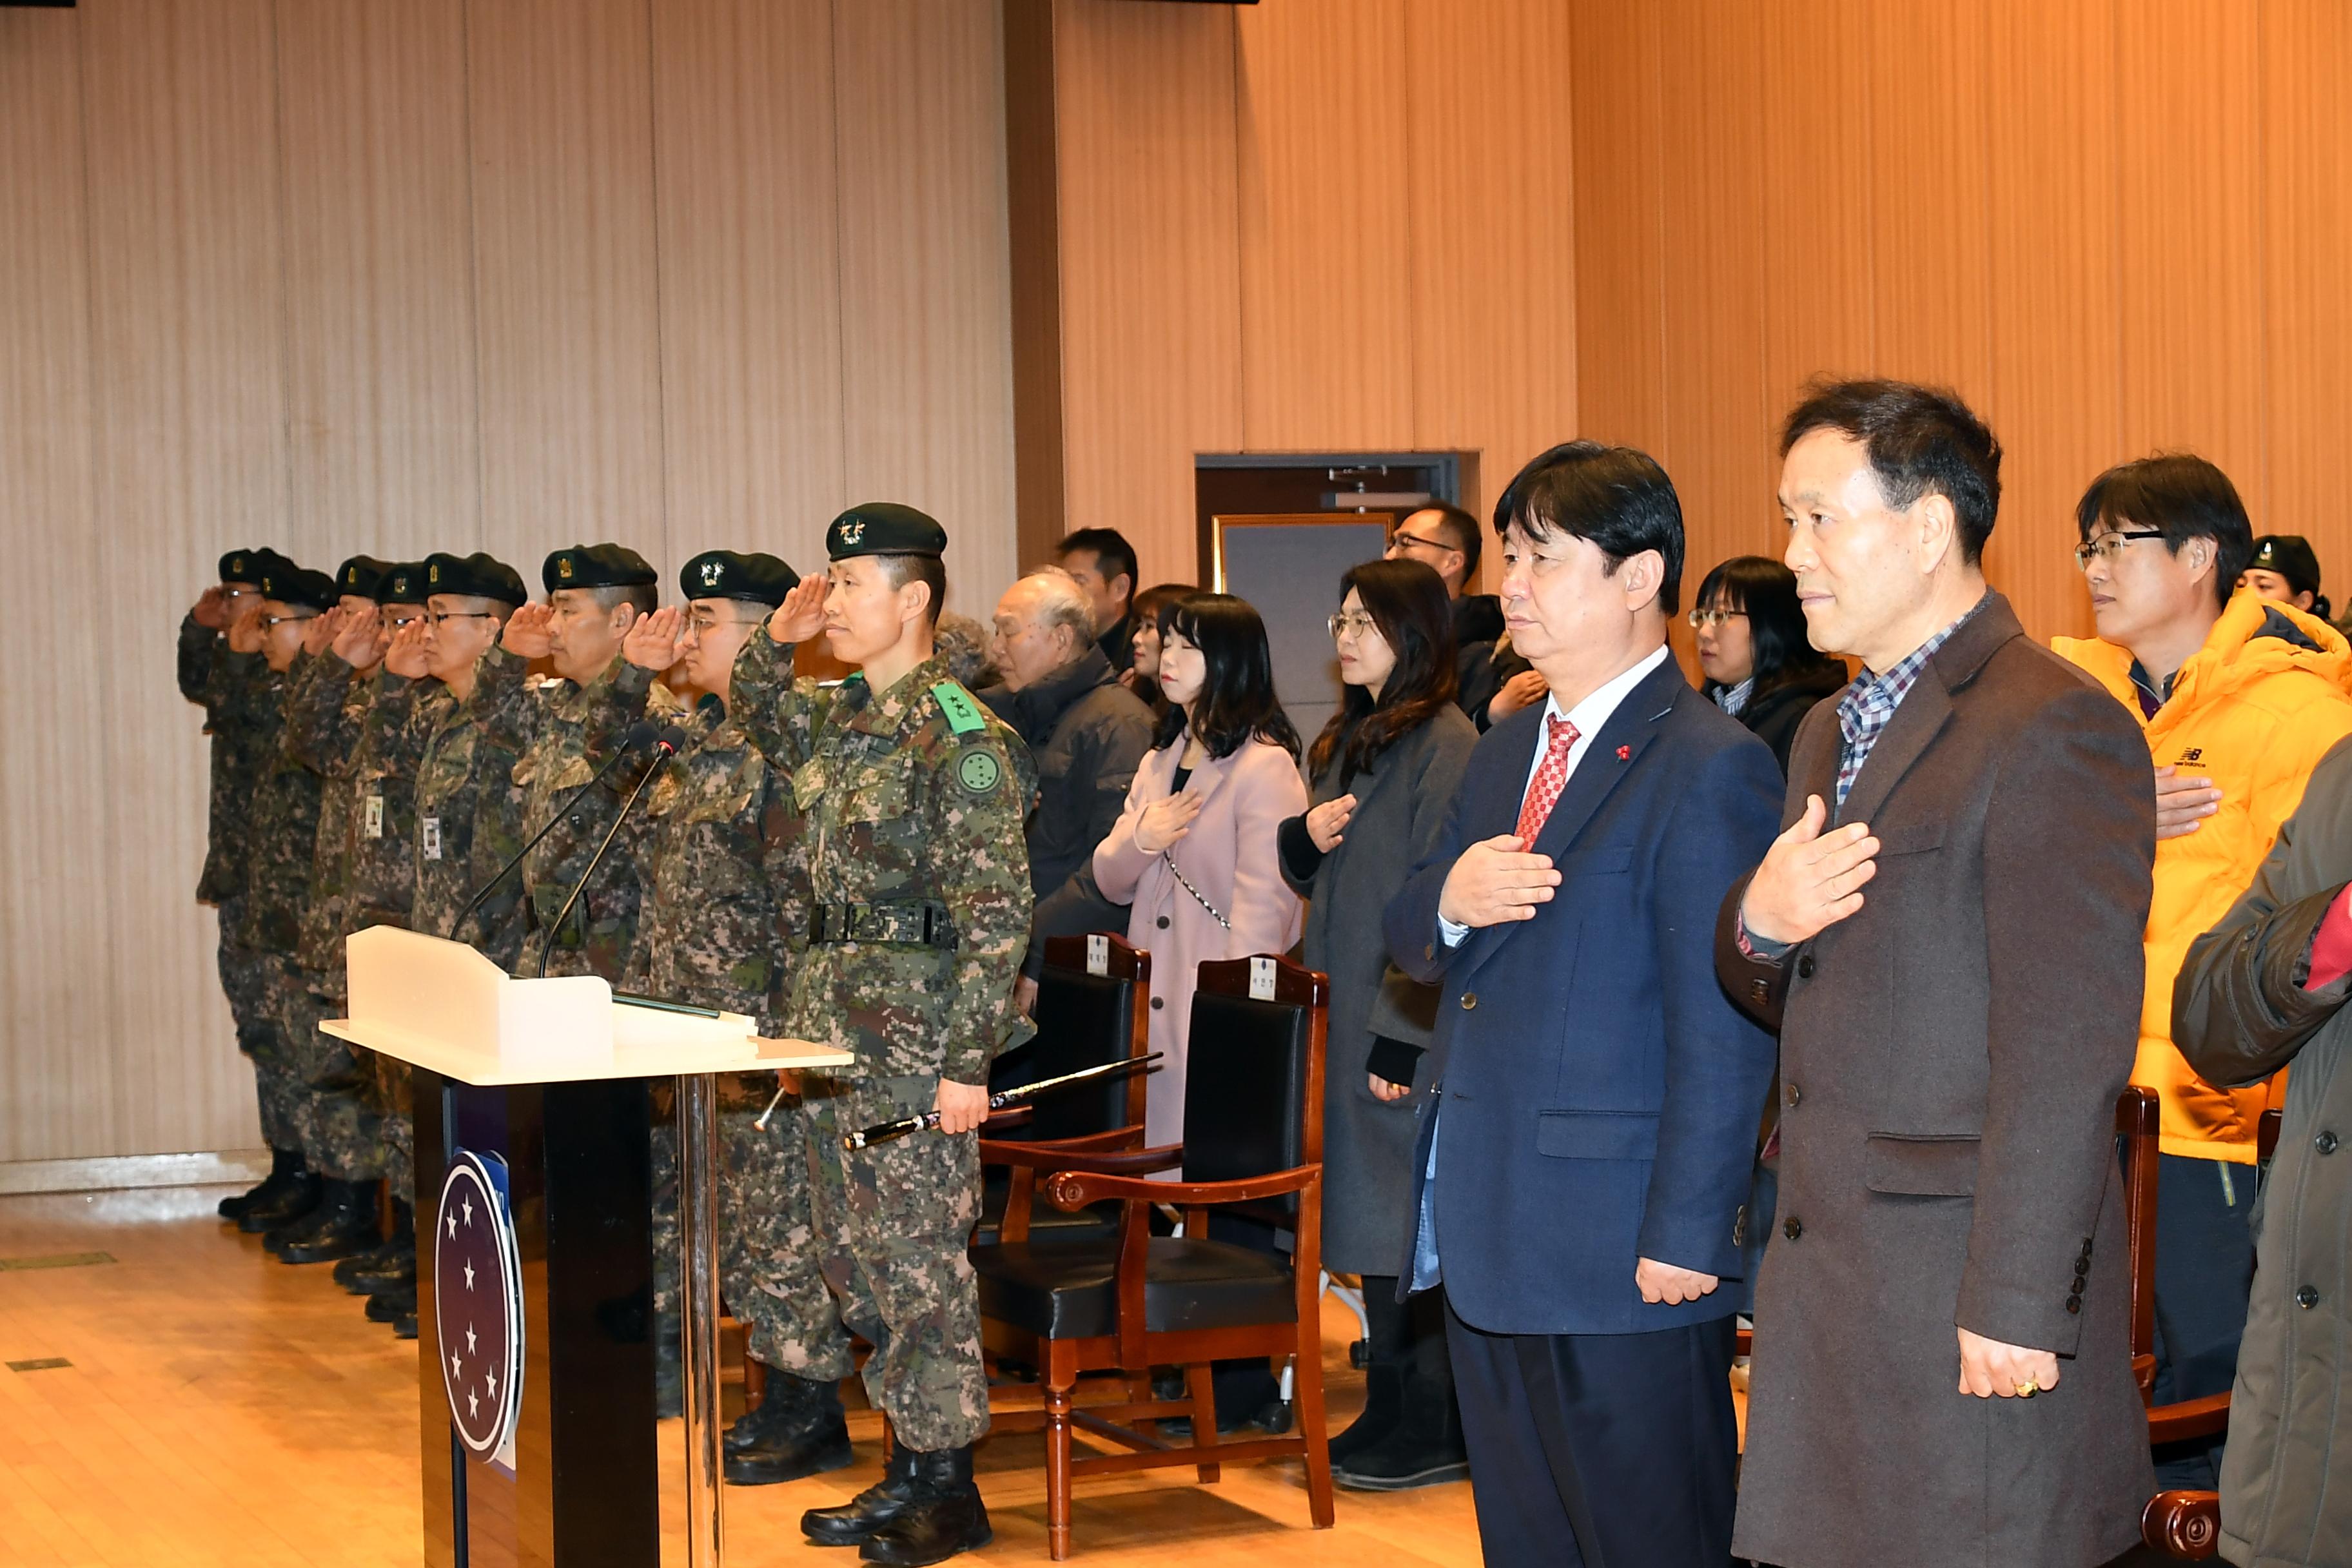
(906, 1124)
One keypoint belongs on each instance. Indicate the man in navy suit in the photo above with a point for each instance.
(1588, 1126)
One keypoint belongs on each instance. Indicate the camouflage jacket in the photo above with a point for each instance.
(559, 737)
(400, 719)
(357, 735)
(282, 826)
(914, 795)
(324, 713)
(725, 877)
(227, 686)
(465, 814)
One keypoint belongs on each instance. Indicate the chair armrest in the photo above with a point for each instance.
(1074, 1186)
(2183, 1524)
(2205, 1418)
(1043, 1157)
(1010, 1116)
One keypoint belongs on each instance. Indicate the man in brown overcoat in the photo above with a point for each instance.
(1947, 935)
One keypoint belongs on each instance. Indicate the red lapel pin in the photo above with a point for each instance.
(1624, 753)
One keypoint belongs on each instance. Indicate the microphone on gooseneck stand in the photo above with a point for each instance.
(667, 744)
(641, 733)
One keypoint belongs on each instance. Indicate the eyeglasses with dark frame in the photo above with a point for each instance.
(1401, 537)
(2107, 546)
(435, 617)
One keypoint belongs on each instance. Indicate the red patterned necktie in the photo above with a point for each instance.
(1551, 777)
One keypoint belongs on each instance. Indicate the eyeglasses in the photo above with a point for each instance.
(267, 622)
(437, 616)
(1351, 626)
(2108, 546)
(1703, 619)
(1401, 540)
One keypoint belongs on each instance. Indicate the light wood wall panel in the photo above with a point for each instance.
(926, 291)
(749, 269)
(1619, 224)
(55, 846)
(560, 98)
(379, 271)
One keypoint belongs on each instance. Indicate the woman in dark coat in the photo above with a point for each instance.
(1753, 651)
(1384, 769)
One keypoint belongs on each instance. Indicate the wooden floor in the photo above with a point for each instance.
(222, 1408)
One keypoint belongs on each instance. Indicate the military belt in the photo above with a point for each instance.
(916, 922)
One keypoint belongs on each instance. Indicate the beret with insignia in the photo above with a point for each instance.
(724, 574)
(480, 575)
(244, 566)
(2290, 556)
(596, 567)
(402, 585)
(362, 575)
(884, 528)
(291, 585)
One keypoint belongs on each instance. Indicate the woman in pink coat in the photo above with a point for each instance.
(1194, 850)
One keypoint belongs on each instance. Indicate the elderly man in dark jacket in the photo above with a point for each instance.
(2265, 988)
(1087, 731)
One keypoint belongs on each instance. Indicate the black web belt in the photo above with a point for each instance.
(914, 922)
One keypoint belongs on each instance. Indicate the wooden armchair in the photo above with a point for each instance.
(1252, 1145)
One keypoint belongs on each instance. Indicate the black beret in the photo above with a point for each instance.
(362, 575)
(480, 576)
(291, 585)
(884, 528)
(596, 567)
(724, 574)
(2290, 556)
(246, 567)
(402, 585)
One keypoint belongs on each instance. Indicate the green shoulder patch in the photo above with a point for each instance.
(964, 714)
(978, 770)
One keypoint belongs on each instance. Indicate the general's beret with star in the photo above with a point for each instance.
(884, 528)
(725, 575)
(291, 585)
(596, 567)
(480, 575)
(244, 567)
(402, 585)
(362, 575)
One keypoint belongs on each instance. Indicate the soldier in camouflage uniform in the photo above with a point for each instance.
(726, 884)
(222, 671)
(912, 797)
(465, 786)
(281, 830)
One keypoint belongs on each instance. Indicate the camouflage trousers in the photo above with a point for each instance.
(767, 1266)
(395, 1102)
(340, 1130)
(892, 1224)
(245, 976)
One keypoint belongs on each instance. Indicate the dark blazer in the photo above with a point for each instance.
(1951, 1058)
(1773, 717)
(1599, 1093)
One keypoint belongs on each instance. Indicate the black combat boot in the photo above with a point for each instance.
(862, 1516)
(391, 1306)
(389, 1266)
(405, 1329)
(805, 1434)
(344, 1224)
(944, 1517)
(296, 1199)
(284, 1166)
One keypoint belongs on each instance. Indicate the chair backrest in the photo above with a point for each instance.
(2135, 1132)
(1253, 1076)
(1093, 1007)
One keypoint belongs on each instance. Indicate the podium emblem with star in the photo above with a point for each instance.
(477, 1304)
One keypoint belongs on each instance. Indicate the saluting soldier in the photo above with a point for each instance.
(465, 768)
(222, 671)
(561, 735)
(912, 799)
(726, 886)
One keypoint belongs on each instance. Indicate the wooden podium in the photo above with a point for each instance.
(535, 1348)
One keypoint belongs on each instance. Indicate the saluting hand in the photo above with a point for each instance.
(319, 631)
(1809, 881)
(245, 629)
(1165, 821)
(1326, 824)
(404, 655)
(211, 610)
(361, 640)
(529, 633)
(652, 642)
(1496, 880)
(802, 614)
(1991, 1370)
(2183, 802)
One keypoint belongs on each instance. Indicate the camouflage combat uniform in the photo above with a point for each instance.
(282, 839)
(726, 884)
(234, 689)
(465, 814)
(913, 802)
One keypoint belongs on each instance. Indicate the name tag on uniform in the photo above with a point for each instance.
(375, 828)
(428, 833)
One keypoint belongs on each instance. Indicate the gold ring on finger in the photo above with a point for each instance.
(2028, 1389)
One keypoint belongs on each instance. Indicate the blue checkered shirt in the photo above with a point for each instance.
(1870, 702)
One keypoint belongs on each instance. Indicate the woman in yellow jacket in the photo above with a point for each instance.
(2240, 697)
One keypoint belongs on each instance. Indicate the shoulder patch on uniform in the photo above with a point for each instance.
(978, 770)
(963, 713)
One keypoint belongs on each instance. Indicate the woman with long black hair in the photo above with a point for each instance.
(1759, 666)
(1384, 769)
